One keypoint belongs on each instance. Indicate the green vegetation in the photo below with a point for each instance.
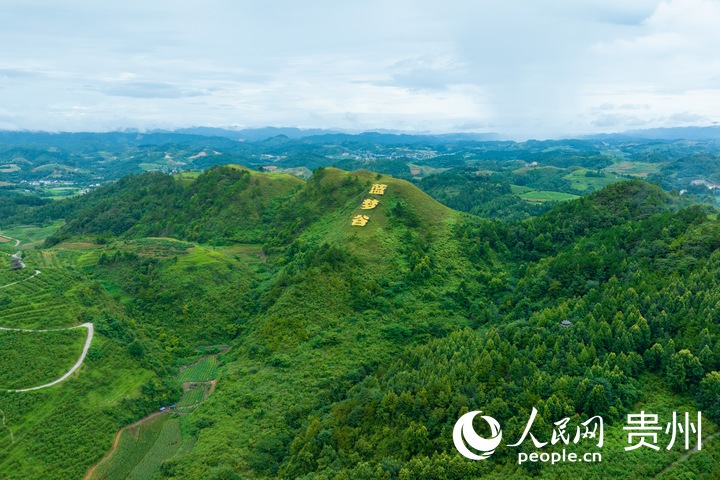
(31, 234)
(485, 195)
(224, 205)
(192, 396)
(639, 169)
(543, 196)
(203, 371)
(58, 432)
(142, 449)
(29, 359)
(583, 180)
(356, 348)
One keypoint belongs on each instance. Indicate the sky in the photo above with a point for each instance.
(520, 68)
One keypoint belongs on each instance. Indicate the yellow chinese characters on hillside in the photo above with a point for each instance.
(378, 189)
(360, 220)
(369, 204)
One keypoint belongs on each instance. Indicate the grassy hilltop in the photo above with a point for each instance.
(353, 349)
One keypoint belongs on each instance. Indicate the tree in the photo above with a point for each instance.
(597, 402)
(653, 357)
(709, 395)
(683, 370)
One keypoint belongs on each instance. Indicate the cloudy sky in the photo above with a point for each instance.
(523, 68)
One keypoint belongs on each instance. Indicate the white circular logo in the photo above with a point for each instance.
(464, 432)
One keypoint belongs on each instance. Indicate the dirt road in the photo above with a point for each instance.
(90, 472)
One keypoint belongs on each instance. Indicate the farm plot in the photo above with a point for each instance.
(141, 449)
(586, 180)
(156, 247)
(193, 395)
(48, 300)
(636, 169)
(203, 371)
(546, 196)
(32, 234)
(29, 359)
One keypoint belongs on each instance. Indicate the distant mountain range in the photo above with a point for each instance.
(259, 134)
(674, 133)
(381, 136)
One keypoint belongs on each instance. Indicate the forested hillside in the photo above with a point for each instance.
(363, 318)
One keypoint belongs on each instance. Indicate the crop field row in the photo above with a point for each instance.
(142, 449)
(203, 371)
(82, 412)
(44, 301)
(156, 247)
(193, 396)
(28, 306)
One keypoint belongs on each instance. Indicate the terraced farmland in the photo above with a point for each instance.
(156, 247)
(141, 449)
(29, 359)
(45, 301)
(193, 395)
(203, 371)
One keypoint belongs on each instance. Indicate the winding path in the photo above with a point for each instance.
(78, 364)
(17, 242)
(37, 272)
(17, 255)
(88, 341)
(90, 472)
(12, 437)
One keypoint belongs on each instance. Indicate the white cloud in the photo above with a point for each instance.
(520, 67)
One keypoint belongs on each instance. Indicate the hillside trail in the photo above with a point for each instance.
(91, 332)
(17, 242)
(78, 364)
(17, 255)
(90, 472)
(4, 424)
(685, 457)
(37, 272)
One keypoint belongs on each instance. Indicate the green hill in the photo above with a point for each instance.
(223, 205)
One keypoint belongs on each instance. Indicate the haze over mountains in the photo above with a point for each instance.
(255, 134)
